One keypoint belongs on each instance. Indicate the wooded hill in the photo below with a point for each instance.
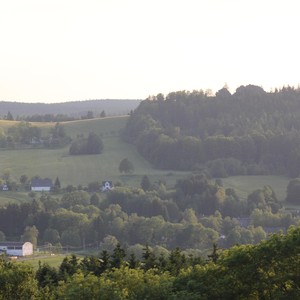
(249, 132)
(74, 108)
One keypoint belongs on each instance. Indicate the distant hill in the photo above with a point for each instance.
(74, 108)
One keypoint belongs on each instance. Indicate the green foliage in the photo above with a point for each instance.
(263, 199)
(145, 183)
(17, 281)
(46, 276)
(68, 267)
(24, 133)
(126, 166)
(293, 191)
(23, 179)
(58, 137)
(265, 271)
(2, 236)
(103, 114)
(51, 236)
(30, 235)
(117, 257)
(250, 132)
(9, 116)
(91, 145)
(268, 270)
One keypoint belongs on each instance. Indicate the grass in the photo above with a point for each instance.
(13, 197)
(244, 185)
(52, 261)
(83, 169)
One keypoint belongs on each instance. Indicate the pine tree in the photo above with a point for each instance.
(117, 257)
(145, 183)
(57, 183)
(149, 259)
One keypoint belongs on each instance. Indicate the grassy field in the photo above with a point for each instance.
(83, 169)
(244, 185)
(13, 197)
(52, 261)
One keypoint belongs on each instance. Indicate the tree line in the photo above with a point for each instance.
(24, 134)
(248, 132)
(193, 215)
(268, 270)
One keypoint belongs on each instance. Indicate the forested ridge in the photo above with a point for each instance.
(249, 132)
(21, 110)
(269, 270)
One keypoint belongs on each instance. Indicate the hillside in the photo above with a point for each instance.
(75, 109)
(250, 132)
(82, 169)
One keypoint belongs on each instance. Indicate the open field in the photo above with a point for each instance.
(244, 185)
(52, 261)
(84, 169)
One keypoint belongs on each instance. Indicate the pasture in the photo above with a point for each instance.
(83, 169)
(244, 185)
(52, 261)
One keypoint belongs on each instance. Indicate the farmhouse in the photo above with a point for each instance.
(4, 187)
(41, 185)
(106, 186)
(16, 248)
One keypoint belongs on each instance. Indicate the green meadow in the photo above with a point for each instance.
(84, 169)
(52, 261)
(244, 185)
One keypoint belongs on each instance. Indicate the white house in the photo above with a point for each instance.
(41, 185)
(4, 187)
(16, 248)
(106, 186)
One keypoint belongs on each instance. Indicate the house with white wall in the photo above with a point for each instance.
(106, 186)
(16, 248)
(41, 185)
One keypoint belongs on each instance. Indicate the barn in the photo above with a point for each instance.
(16, 248)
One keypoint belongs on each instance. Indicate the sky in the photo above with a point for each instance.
(68, 50)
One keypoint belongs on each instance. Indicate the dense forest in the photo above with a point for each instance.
(269, 270)
(192, 216)
(249, 132)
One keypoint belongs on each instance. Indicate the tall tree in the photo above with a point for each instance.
(145, 183)
(9, 116)
(126, 166)
(30, 235)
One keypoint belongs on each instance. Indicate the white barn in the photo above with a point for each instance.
(16, 248)
(41, 185)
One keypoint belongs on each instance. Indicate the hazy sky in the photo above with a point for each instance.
(62, 50)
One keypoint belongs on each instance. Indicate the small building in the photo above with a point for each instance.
(16, 248)
(106, 186)
(4, 187)
(41, 185)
